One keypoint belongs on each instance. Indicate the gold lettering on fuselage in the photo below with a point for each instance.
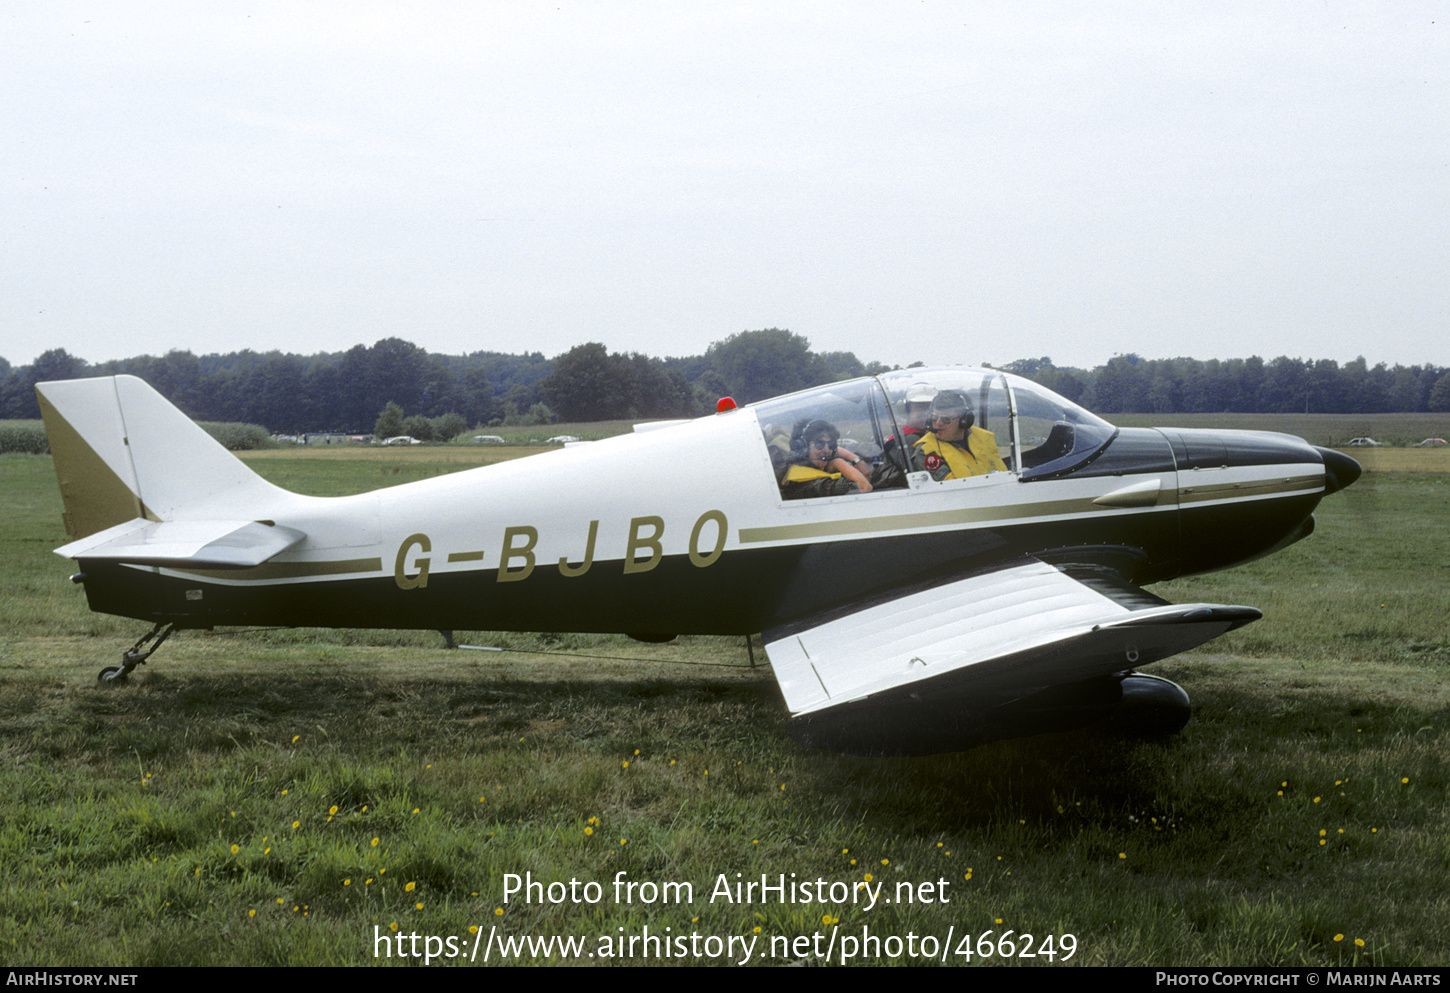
(565, 569)
(643, 551)
(400, 576)
(637, 542)
(526, 552)
(702, 561)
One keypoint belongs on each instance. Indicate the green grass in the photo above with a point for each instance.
(1329, 430)
(1368, 584)
(1306, 800)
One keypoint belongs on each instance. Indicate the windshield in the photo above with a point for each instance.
(1055, 435)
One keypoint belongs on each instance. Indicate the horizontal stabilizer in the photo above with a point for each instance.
(187, 544)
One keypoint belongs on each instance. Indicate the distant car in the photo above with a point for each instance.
(1430, 443)
(1363, 443)
(487, 439)
(561, 439)
(401, 439)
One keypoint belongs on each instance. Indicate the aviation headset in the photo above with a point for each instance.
(952, 402)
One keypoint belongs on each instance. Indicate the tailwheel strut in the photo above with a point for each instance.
(115, 675)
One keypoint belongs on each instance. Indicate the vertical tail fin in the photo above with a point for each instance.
(122, 451)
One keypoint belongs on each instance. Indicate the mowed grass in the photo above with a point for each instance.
(1329, 430)
(291, 797)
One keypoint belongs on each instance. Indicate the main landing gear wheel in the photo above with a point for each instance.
(115, 675)
(1152, 707)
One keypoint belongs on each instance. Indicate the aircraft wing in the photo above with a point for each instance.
(927, 666)
(189, 544)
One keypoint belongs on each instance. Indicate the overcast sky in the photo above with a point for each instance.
(950, 182)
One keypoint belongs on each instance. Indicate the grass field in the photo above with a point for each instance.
(306, 797)
(1329, 430)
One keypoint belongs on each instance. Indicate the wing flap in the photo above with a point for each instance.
(209, 544)
(1019, 628)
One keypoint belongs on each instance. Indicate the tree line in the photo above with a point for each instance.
(348, 391)
(1129, 384)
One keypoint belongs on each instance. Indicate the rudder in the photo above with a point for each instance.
(123, 451)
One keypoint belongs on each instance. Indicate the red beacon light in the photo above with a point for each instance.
(724, 404)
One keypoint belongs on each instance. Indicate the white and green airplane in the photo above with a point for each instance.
(936, 557)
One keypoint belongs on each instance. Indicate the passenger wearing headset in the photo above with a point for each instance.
(953, 447)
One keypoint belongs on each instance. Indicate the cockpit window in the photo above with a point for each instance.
(951, 423)
(1055, 435)
(829, 441)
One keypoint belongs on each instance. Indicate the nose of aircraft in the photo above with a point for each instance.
(1339, 470)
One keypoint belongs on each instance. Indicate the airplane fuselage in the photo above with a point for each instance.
(638, 528)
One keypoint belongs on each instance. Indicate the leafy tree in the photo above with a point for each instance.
(418, 426)
(1286, 386)
(1029, 368)
(441, 392)
(756, 365)
(1324, 385)
(709, 388)
(1119, 387)
(656, 391)
(842, 365)
(1440, 394)
(480, 404)
(12, 389)
(1409, 391)
(518, 399)
(321, 400)
(396, 371)
(389, 423)
(448, 426)
(274, 392)
(1161, 395)
(56, 364)
(589, 384)
(1062, 382)
(357, 402)
(52, 365)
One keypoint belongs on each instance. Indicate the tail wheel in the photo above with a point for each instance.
(111, 675)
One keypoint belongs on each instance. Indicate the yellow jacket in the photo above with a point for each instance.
(947, 460)
(800, 473)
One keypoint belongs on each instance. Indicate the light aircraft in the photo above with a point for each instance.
(925, 615)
